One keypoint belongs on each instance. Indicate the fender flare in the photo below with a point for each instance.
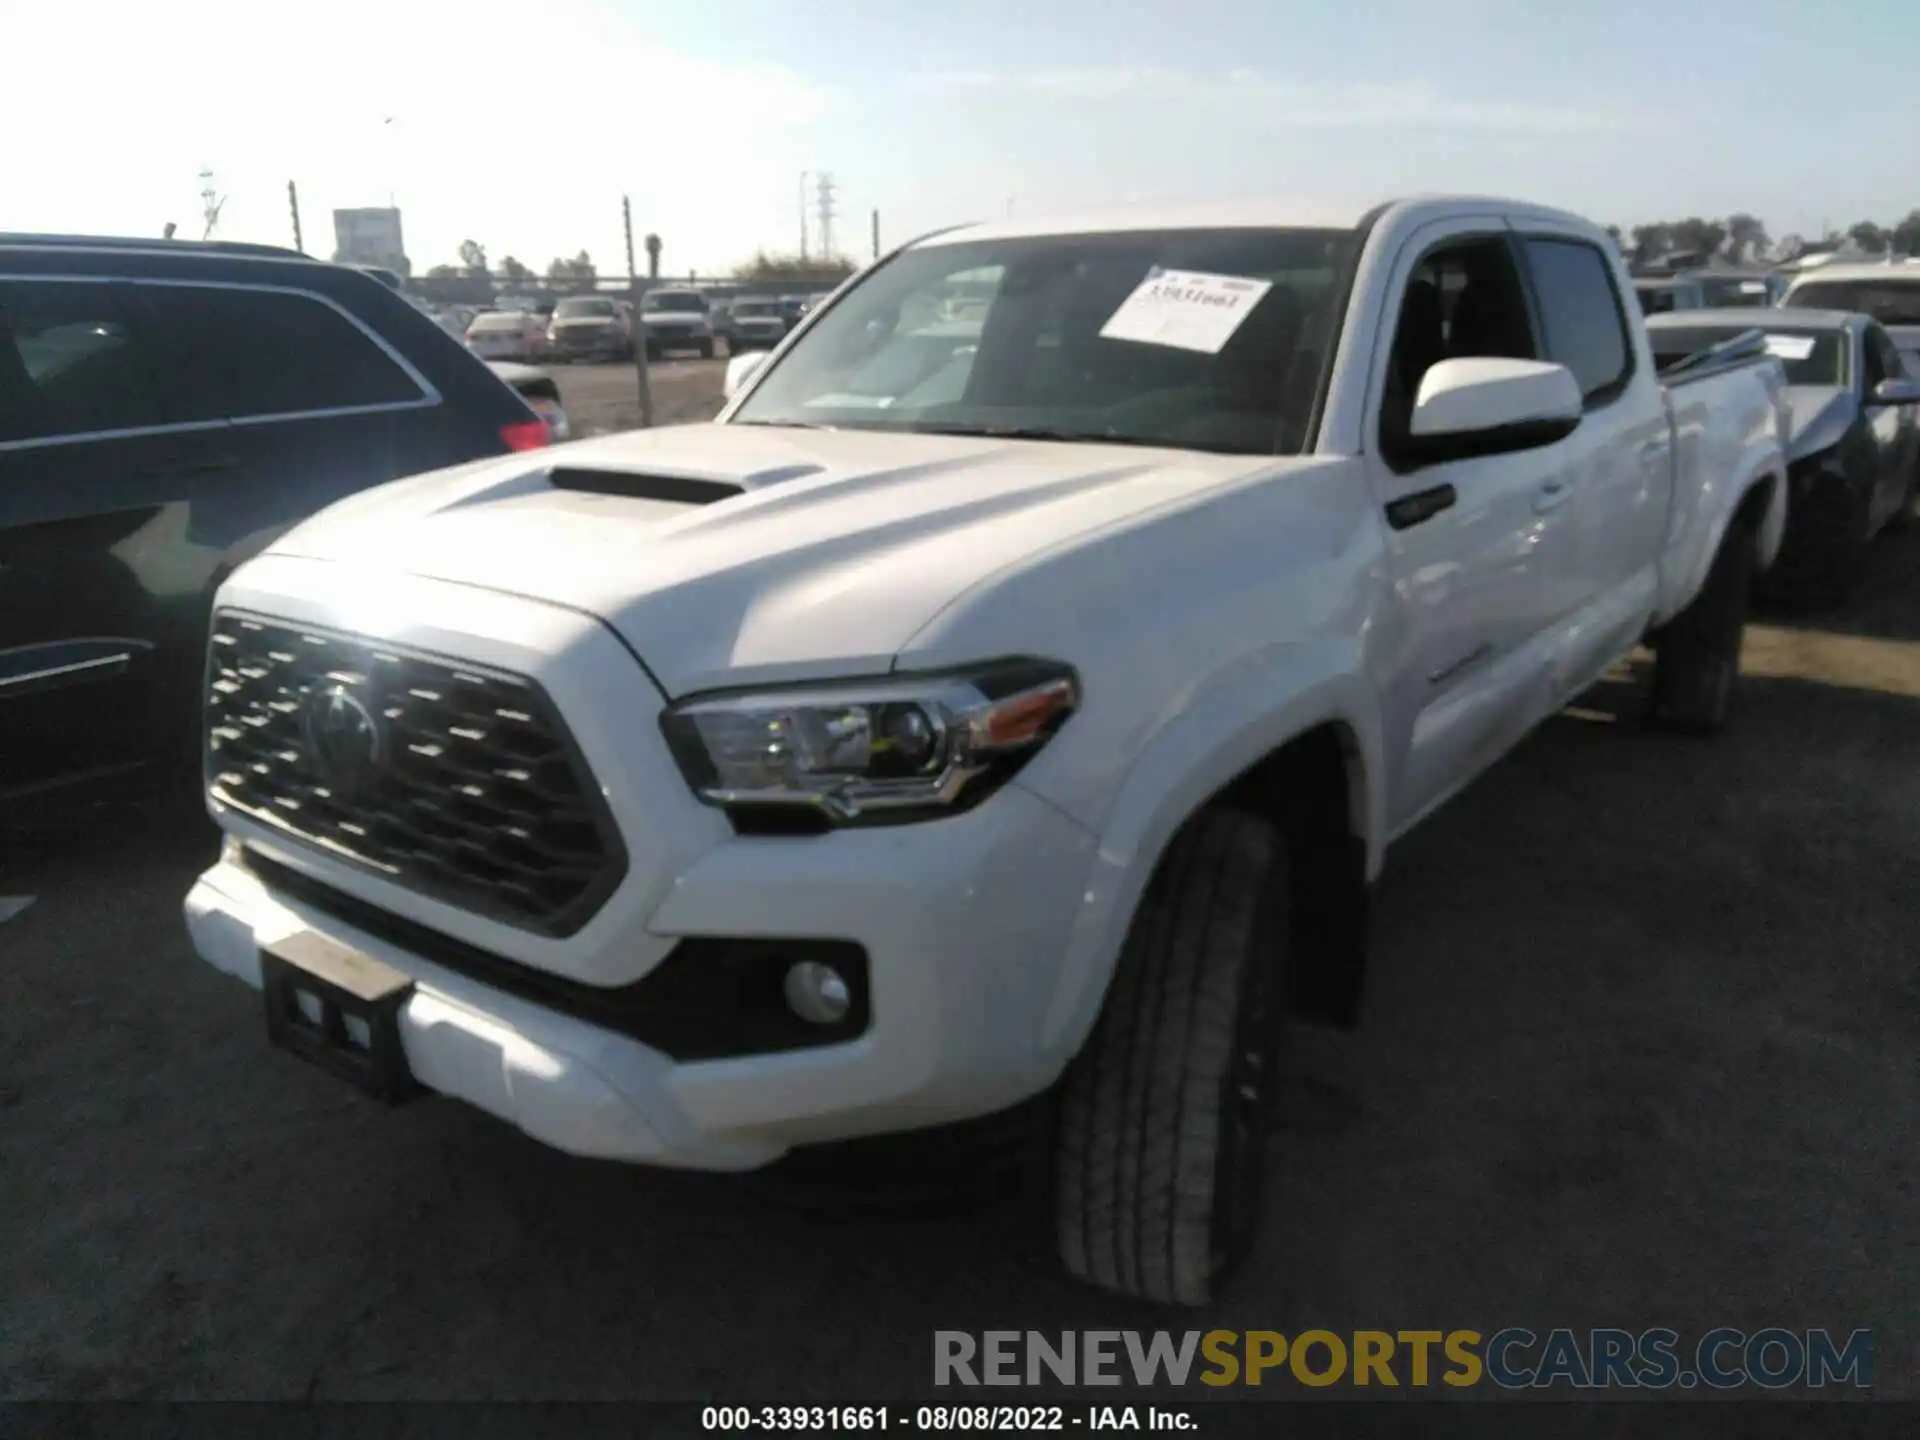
(1230, 728)
(1768, 470)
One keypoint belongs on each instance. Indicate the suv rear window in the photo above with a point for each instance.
(253, 353)
(1891, 302)
(69, 364)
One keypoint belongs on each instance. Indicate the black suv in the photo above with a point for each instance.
(166, 410)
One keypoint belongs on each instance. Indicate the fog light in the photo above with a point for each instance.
(817, 993)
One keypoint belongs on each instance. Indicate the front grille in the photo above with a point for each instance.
(458, 782)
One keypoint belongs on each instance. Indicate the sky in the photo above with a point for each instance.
(522, 126)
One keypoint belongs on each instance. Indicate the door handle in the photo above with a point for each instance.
(1415, 509)
(1552, 496)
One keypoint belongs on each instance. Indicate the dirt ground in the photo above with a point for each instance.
(603, 398)
(1640, 1050)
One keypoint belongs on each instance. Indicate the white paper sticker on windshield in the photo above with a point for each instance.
(1185, 309)
(1753, 287)
(1790, 347)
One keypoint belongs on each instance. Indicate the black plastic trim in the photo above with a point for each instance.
(710, 999)
(675, 489)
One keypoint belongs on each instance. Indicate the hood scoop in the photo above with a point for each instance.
(637, 485)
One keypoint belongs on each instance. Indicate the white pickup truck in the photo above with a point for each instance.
(981, 709)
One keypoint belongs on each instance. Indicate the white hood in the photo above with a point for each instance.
(843, 546)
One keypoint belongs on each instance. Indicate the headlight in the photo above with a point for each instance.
(847, 751)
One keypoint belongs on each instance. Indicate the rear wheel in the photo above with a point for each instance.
(1903, 516)
(1160, 1142)
(706, 349)
(1697, 655)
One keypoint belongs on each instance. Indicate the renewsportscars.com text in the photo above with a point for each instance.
(1515, 1358)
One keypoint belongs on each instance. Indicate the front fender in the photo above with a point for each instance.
(1227, 729)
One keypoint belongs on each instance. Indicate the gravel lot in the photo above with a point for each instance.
(1640, 1050)
(600, 398)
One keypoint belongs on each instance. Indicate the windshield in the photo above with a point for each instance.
(1891, 302)
(673, 300)
(1735, 290)
(500, 320)
(572, 309)
(1810, 357)
(1192, 339)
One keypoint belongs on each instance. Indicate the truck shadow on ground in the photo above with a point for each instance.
(1638, 1044)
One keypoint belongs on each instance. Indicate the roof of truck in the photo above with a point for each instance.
(1753, 317)
(1276, 213)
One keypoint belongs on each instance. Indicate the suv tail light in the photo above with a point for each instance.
(525, 434)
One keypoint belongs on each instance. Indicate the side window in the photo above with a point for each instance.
(1462, 301)
(69, 363)
(270, 352)
(1883, 358)
(1580, 312)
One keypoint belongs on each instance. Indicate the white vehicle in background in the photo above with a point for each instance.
(953, 724)
(1889, 292)
(677, 320)
(507, 335)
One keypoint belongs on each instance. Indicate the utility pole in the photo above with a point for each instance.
(876, 234)
(639, 325)
(803, 217)
(211, 201)
(293, 204)
(826, 215)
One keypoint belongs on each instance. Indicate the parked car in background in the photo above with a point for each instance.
(541, 305)
(1853, 448)
(1658, 295)
(759, 323)
(541, 392)
(1033, 727)
(792, 307)
(1890, 293)
(591, 327)
(166, 411)
(507, 335)
(1738, 288)
(677, 320)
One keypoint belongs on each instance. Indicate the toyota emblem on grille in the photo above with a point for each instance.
(345, 740)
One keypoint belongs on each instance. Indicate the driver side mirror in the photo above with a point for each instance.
(1492, 406)
(741, 369)
(1896, 390)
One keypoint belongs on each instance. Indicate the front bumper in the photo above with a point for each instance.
(963, 920)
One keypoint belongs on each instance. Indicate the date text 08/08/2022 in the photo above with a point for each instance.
(842, 1419)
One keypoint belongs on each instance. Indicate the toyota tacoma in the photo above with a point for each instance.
(980, 709)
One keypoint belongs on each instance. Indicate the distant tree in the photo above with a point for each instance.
(1789, 247)
(1746, 238)
(1905, 236)
(1650, 242)
(575, 274)
(653, 257)
(1869, 237)
(444, 272)
(513, 272)
(1693, 233)
(765, 268)
(473, 255)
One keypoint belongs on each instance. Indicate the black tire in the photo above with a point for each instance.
(1903, 516)
(706, 349)
(1697, 655)
(1158, 1145)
